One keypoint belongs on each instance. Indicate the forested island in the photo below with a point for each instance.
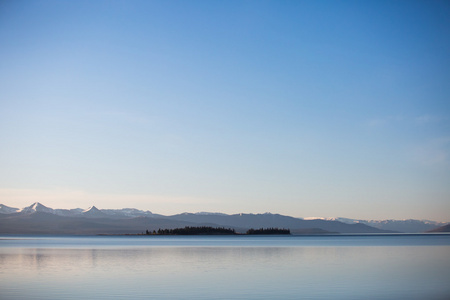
(206, 230)
(268, 231)
(203, 230)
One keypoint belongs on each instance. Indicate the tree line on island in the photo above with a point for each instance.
(206, 230)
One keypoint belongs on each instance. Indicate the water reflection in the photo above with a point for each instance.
(225, 272)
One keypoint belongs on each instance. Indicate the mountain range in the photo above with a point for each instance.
(39, 219)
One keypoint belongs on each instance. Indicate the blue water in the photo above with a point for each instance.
(225, 267)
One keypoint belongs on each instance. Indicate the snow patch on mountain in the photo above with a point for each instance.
(8, 210)
(127, 212)
(204, 213)
(36, 207)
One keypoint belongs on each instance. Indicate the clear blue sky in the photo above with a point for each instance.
(305, 108)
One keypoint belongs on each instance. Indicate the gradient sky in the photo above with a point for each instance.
(304, 108)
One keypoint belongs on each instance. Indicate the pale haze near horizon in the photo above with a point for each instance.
(304, 108)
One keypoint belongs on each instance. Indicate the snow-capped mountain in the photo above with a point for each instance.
(407, 226)
(127, 212)
(78, 212)
(37, 207)
(131, 217)
(94, 212)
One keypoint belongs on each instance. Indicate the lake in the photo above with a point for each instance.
(225, 267)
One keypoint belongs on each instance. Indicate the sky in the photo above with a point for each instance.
(303, 108)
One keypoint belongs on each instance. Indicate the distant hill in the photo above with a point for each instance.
(47, 223)
(39, 219)
(276, 220)
(406, 226)
(445, 228)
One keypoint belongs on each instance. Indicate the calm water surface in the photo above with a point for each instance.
(229, 267)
